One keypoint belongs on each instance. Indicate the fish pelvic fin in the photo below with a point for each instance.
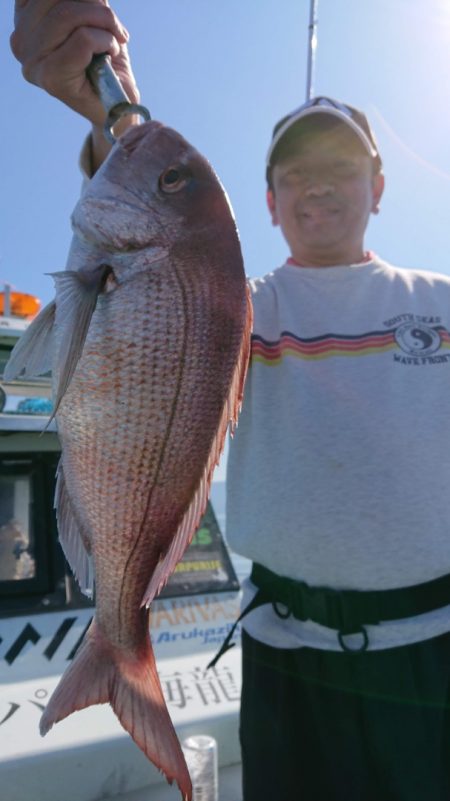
(196, 509)
(76, 299)
(32, 354)
(99, 674)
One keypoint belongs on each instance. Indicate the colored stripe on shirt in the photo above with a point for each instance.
(271, 353)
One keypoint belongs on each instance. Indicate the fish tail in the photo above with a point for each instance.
(131, 685)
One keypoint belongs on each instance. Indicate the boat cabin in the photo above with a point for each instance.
(44, 616)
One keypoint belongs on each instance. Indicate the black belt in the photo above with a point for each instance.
(346, 611)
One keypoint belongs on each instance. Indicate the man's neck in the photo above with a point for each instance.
(363, 259)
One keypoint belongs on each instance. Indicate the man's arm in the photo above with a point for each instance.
(55, 40)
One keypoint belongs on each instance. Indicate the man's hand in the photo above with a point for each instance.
(55, 40)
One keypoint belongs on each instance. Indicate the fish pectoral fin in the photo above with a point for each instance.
(76, 299)
(32, 354)
(74, 539)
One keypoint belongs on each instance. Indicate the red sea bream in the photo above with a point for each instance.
(148, 341)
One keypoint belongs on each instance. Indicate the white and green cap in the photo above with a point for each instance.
(349, 115)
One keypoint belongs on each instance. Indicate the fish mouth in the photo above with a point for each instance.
(154, 249)
(131, 139)
(113, 224)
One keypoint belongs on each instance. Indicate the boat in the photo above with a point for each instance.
(43, 618)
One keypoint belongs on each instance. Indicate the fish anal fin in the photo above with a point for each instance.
(194, 513)
(73, 537)
(101, 673)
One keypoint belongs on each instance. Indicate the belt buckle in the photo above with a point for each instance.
(328, 607)
(312, 602)
(308, 603)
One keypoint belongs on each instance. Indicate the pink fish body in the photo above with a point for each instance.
(149, 335)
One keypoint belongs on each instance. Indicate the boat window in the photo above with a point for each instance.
(5, 353)
(17, 554)
(34, 576)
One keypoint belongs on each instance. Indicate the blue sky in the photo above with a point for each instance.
(222, 74)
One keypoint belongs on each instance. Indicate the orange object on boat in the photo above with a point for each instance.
(20, 304)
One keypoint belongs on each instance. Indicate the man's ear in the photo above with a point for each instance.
(377, 191)
(271, 205)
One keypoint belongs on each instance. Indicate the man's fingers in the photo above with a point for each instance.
(34, 9)
(52, 21)
(42, 5)
(55, 40)
(66, 64)
(78, 92)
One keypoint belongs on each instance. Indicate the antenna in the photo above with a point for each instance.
(7, 300)
(312, 45)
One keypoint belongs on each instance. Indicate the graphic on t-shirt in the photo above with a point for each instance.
(412, 337)
(418, 339)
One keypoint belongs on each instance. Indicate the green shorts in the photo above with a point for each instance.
(336, 726)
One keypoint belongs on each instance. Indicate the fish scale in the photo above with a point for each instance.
(150, 332)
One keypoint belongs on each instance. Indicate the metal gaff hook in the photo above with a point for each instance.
(110, 91)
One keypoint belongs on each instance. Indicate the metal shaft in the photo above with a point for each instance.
(111, 93)
(312, 45)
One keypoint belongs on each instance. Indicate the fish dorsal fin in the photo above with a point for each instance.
(74, 539)
(32, 354)
(196, 509)
(76, 299)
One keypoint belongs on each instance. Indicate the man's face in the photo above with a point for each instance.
(323, 193)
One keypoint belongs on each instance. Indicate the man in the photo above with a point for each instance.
(338, 476)
(345, 673)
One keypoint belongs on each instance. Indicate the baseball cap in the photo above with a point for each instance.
(349, 115)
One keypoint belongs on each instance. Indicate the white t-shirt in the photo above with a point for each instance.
(339, 472)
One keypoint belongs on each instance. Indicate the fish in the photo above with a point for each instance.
(148, 342)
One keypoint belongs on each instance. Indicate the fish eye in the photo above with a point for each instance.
(173, 179)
